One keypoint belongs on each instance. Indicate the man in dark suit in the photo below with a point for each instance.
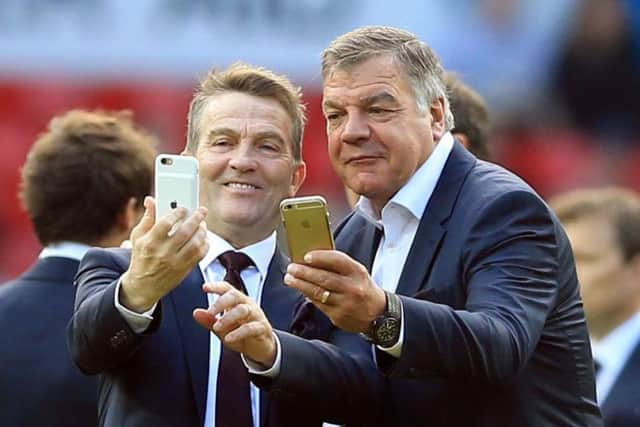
(603, 226)
(472, 303)
(133, 321)
(113, 159)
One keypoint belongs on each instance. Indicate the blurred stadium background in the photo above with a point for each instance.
(562, 77)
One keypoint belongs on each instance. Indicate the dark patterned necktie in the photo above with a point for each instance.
(233, 394)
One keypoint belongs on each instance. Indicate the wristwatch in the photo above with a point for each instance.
(385, 329)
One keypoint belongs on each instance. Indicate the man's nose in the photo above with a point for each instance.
(243, 157)
(356, 129)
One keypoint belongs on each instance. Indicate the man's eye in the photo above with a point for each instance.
(268, 147)
(332, 116)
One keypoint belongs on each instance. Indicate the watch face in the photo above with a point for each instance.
(387, 332)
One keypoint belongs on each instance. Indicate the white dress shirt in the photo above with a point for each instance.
(213, 271)
(400, 219)
(72, 250)
(612, 353)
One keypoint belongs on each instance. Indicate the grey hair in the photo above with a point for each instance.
(420, 63)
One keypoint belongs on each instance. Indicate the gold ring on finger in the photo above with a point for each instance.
(325, 297)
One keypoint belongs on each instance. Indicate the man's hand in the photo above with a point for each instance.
(353, 300)
(162, 255)
(239, 322)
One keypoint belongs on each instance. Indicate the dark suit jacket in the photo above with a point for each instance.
(621, 408)
(494, 328)
(39, 383)
(160, 378)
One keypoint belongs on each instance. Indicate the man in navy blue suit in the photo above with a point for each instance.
(453, 268)
(134, 309)
(603, 226)
(82, 185)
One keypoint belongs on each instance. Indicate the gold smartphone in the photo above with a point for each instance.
(306, 224)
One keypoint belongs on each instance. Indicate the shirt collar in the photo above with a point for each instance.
(618, 344)
(65, 249)
(260, 252)
(415, 194)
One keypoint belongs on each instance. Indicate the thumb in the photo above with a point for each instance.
(148, 218)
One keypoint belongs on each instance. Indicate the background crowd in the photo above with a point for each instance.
(559, 76)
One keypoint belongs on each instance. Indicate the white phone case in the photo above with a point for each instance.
(176, 183)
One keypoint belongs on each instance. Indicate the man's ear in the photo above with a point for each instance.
(298, 177)
(130, 215)
(438, 117)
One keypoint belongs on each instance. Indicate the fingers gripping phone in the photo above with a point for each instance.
(306, 223)
(176, 183)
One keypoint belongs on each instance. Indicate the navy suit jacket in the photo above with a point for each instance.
(160, 378)
(621, 408)
(494, 328)
(39, 383)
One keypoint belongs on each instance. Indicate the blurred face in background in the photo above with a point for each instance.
(246, 165)
(377, 136)
(609, 285)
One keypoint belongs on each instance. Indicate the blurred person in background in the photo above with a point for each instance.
(82, 185)
(472, 122)
(456, 272)
(603, 226)
(596, 76)
(134, 318)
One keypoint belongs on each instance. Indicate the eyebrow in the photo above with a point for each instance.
(221, 131)
(269, 134)
(380, 97)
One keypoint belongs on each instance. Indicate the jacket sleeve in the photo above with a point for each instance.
(510, 276)
(98, 337)
(337, 379)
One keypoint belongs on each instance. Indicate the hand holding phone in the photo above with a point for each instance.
(306, 223)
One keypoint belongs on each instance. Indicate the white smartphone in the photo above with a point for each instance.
(176, 183)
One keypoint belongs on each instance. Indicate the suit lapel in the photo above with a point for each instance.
(359, 238)
(433, 225)
(277, 302)
(195, 339)
(277, 298)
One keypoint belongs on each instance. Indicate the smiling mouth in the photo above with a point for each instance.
(240, 186)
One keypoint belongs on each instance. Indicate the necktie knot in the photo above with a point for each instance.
(237, 261)
(234, 262)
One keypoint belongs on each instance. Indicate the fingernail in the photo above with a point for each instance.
(288, 279)
(307, 258)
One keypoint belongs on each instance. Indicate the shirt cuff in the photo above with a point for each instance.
(396, 349)
(258, 369)
(138, 322)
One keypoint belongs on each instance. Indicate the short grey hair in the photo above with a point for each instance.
(420, 63)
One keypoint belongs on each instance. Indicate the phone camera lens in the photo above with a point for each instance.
(174, 204)
(166, 161)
